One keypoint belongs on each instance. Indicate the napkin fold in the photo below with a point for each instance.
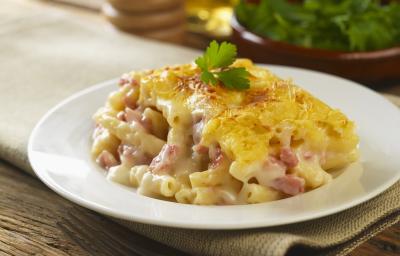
(47, 57)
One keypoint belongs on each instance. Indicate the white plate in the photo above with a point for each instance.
(59, 153)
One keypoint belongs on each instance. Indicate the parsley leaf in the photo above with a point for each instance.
(234, 78)
(215, 63)
(225, 56)
(201, 62)
(208, 77)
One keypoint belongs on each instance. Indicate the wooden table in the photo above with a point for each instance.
(36, 221)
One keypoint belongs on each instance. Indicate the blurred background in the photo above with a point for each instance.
(356, 39)
(189, 22)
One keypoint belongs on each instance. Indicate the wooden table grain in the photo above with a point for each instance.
(36, 221)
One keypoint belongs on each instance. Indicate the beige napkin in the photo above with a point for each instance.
(46, 57)
(91, 4)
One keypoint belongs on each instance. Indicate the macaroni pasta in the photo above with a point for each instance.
(173, 137)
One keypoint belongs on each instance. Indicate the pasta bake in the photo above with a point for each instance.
(177, 138)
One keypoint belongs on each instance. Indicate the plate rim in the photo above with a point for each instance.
(41, 174)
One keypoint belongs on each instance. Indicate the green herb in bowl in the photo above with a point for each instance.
(343, 25)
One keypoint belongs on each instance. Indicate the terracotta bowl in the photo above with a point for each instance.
(372, 68)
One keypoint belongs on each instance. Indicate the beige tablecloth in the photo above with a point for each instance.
(46, 57)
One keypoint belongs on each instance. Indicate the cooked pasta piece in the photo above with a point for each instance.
(254, 193)
(136, 174)
(159, 125)
(132, 134)
(119, 174)
(205, 196)
(104, 141)
(312, 173)
(116, 100)
(185, 196)
(158, 185)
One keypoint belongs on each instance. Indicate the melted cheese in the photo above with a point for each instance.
(245, 122)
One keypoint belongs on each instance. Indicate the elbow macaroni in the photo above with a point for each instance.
(199, 144)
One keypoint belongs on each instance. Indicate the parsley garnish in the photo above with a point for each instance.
(214, 65)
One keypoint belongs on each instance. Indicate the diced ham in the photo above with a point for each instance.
(132, 155)
(164, 161)
(275, 173)
(200, 149)
(289, 184)
(127, 79)
(288, 157)
(133, 115)
(121, 116)
(216, 156)
(123, 80)
(106, 160)
(136, 116)
(271, 169)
